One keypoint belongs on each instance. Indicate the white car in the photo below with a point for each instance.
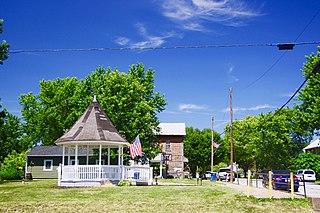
(224, 174)
(306, 174)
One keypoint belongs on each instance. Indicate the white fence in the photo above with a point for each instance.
(103, 172)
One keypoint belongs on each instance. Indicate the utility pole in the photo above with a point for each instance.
(212, 141)
(231, 139)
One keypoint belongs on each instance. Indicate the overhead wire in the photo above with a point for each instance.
(157, 48)
(283, 54)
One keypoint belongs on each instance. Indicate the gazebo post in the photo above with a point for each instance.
(87, 154)
(100, 150)
(76, 156)
(63, 153)
(108, 156)
(122, 162)
(69, 150)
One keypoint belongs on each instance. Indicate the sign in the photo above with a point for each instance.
(166, 157)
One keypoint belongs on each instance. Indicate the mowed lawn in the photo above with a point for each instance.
(45, 196)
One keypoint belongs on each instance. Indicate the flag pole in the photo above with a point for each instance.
(212, 141)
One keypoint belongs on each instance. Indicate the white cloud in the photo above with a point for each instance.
(149, 41)
(231, 76)
(196, 12)
(191, 107)
(255, 108)
(122, 41)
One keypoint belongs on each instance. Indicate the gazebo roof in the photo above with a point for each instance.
(92, 128)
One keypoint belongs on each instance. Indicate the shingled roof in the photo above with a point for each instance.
(93, 127)
(55, 151)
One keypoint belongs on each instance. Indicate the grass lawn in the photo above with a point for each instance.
(45, 196)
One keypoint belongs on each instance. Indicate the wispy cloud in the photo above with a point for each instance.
(193, 14)
(287, 95)
(255, 108)
(191, 107)
(232, 78)
(149, 41)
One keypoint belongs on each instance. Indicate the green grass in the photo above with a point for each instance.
(45, 196)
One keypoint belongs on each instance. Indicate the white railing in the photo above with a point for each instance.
(138, 173)
(103, 172)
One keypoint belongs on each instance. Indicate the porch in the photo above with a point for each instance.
(97, 175)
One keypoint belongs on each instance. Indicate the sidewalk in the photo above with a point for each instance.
(258, 192)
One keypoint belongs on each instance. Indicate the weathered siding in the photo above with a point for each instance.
(37, 169)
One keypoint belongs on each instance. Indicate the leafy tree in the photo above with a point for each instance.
(308, 111)
(197, 148)
(128, 98)
(267, 141)
(245, 137)
(308, 161)
(49, 114)
(4, 47)
(10, 135)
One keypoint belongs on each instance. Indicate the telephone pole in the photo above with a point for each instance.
(231, 139)
(212, 141)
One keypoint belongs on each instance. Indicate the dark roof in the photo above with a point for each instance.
(55, 151)
(93, 126)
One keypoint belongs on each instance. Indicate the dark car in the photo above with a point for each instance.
(281, 180)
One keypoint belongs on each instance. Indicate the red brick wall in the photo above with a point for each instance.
(176, 151)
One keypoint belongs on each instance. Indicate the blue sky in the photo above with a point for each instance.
(195, 82)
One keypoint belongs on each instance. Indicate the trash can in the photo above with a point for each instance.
(213, 176)
(136, 175)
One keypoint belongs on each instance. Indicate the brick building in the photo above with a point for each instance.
(171, 138)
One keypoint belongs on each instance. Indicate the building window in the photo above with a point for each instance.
(167, 145)
(102, 162)
(47, 165)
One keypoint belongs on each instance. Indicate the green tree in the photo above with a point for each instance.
(52, 112)
(4, 47)
(10, 135)
(128, 98)
(245, 137)
(308, 161)
(308, 111)
(266, 141)
(197, 148)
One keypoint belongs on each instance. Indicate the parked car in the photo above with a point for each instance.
(281, 180)
(306, 175)
(224, 174)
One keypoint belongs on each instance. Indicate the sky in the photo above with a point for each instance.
(194, 81)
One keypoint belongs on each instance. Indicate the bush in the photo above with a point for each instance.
(124, 183)
(11, 174)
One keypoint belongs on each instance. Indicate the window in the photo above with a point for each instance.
(97, 161)
(167, 145)
(47, 165)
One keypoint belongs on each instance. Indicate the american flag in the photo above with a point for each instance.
(215, 145)
(135, 148)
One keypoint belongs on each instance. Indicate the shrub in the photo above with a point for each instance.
(11, 174)
(124, 183)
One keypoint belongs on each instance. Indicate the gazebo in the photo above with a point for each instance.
(95, 131)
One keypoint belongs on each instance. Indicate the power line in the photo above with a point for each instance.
(281, 56)
(314, 71)
(158, 48)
